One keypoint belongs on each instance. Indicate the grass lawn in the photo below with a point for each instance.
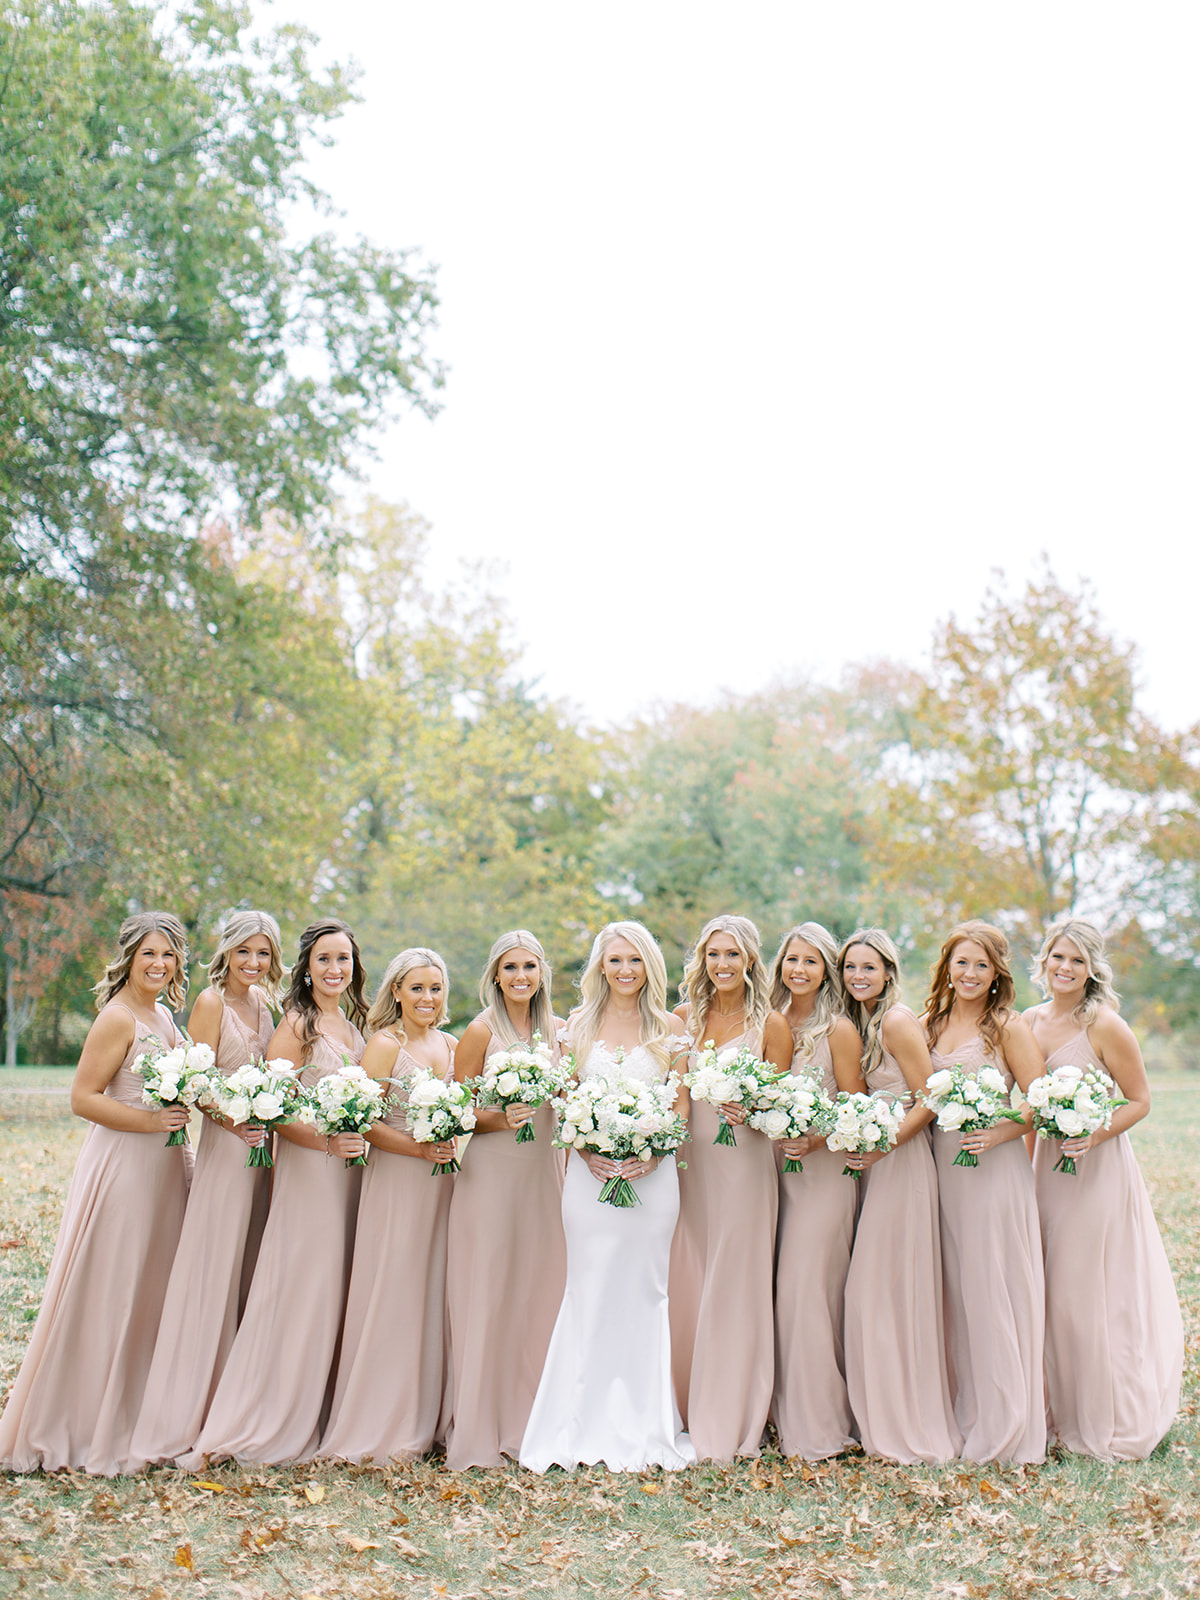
(1067, 1530)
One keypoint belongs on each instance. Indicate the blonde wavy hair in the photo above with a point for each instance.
(384, 1015)
(829, 1004)
(491, 998)
(655, 1024)
(870, 1023)
(698, 988)
(130, 936)
(240, 926)
(1098, 991)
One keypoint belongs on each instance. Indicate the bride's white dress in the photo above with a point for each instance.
(606, 1392)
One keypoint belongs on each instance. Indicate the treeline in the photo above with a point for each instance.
(218, 687)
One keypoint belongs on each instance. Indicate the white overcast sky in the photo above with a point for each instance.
(774, 327)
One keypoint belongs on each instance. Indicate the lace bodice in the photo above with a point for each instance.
(637, 1064)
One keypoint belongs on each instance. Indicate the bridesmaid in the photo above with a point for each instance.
(817, 1209)
(1114, 1336)
(227, 1204)
(77, 1395)
(273, 1394)
(506, 1258)
(722, 1263)
(387, 1400)
(991, 1245)
(895, 1344)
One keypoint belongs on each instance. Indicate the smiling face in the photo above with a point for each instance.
(249, 963)
(864, 973)
(420, 994)
(1067, 970)
(802, 969)
(971, 972)
(519, 975)
(725, 964)
(330, 965)
(623, 968)
(154, 963)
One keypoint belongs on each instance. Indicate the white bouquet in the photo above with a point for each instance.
(966, 1103)
(346, 1101)
(525, 1075)
(731, 1076)
(863, 1123)
(788, 1109)
(179, 1077)
(1071, 1103)
(437, 1111)
(622, 1118)
(262, 1093)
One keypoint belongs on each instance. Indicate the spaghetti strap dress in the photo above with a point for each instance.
(218, 1248)
(506, 1270)
(388, 1397)
(896, 1373)
(1114, 1334)
(273, 1395)
(722, 1284)
(817, 1212)
(78, 1393)
(993, 1287)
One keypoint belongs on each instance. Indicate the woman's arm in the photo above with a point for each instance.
(778, 1045)
(105, 1048)
(1113, 1041)
(204, 1024)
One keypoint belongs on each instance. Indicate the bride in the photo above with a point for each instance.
(605, 1392)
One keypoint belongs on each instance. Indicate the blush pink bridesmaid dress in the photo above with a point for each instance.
(273, 1395)
(896, 1373)
(78, 1393)
(218, 1248)
(721, 1286)
(1114, 1334)
(388, 1396)
(506, 1271)
(817, 1212)
(993, 1287)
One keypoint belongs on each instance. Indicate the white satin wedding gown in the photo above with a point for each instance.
(606, 1392)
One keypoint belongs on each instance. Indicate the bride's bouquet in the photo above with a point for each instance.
(346, 1101)
(261, 1093)
(622, 1118)
(789, 1108)
(525, 1075)
(1071, 1103)
(179, 1077)
(966, 1103)
(438, 1111)
(862, 1124)
(732, 1076)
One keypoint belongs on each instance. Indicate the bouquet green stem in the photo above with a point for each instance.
(439, 1167)
(852, 1172)
(260, 1154)
(725, 1134)
(178, 1135)
(619, 1192)
(793, 1164)
(1066, 1164)
(965, 1158)
(525, 1133)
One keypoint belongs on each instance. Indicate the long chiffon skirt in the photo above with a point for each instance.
(78, 1393)
(505, 1274)
(606, 1392)
(817, 1212)
(274, 1392)
(895, 1340)
(1114, 1335)
(210, 1282)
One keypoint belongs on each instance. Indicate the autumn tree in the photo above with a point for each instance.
(1031, 782)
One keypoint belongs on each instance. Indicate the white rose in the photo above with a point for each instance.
(1038, 1093)
(267, 1106)
(1070, 1123)
(952, 1116)
(237, 1109)
(938, 1083)
(775, 1124)
(426, 1093)
(971, 1091)
(508, 1083)
(991, 1079)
